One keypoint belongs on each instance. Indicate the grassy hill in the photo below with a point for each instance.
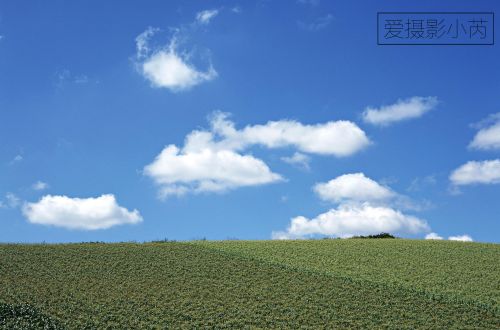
(266, 284)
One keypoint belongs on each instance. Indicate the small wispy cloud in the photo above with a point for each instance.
(433, 236)
(299, 160)
(236, 9)
(17, 158)
(40, 185)
(309, 2)
(420, 183)
(461, 238)
(11, 201)
(66, 77)
(316, 25)
(205, 16)
(411, 108)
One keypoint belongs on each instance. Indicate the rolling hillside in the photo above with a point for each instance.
(267, 284)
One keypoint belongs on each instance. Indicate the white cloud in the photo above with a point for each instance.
(419, 183)
(66, 77)
(142, 42)
(18, 158)
(309, 2)
(462, 238)
(402, 110)
(40, 185)
(477, 172)
(167, 67)
(205, 16)
(171, 70)
(338, 138)
(433, 236)
(349, 220)
(488, 138)
(298, 159)
(356, 188)
(364, 207)
(206, 170)
(11, 201)
(79, 213)
(211, 161)
(353, 187)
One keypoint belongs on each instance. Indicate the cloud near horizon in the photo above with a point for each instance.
(79, 213)
(433, 236)
(410, 108)
(211, 160)
(349, 220)
(364, 207)
(461, 238)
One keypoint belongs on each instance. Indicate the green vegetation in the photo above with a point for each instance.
(266, 284)
(458, 270)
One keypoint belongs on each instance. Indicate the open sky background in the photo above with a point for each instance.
(79, 117)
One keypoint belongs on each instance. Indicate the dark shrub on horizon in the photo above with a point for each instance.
(381, 235)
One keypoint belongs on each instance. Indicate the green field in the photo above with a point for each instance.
(353, 283)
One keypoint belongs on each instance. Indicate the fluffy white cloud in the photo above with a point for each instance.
(40, 185)
(205, 16)
(167, 67)
(353, 187)
(206, 170)
(356, 187)
(298, 159)
(402, 110)
(433, 236)
(364, 207)
(339, 138)
(348, 220)
(79, 213)
(462, 238)
(211, 160)
(477, 172)
(488, 138)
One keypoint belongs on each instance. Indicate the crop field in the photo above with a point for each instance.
(251, 284)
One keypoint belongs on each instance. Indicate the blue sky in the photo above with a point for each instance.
(303, 126)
